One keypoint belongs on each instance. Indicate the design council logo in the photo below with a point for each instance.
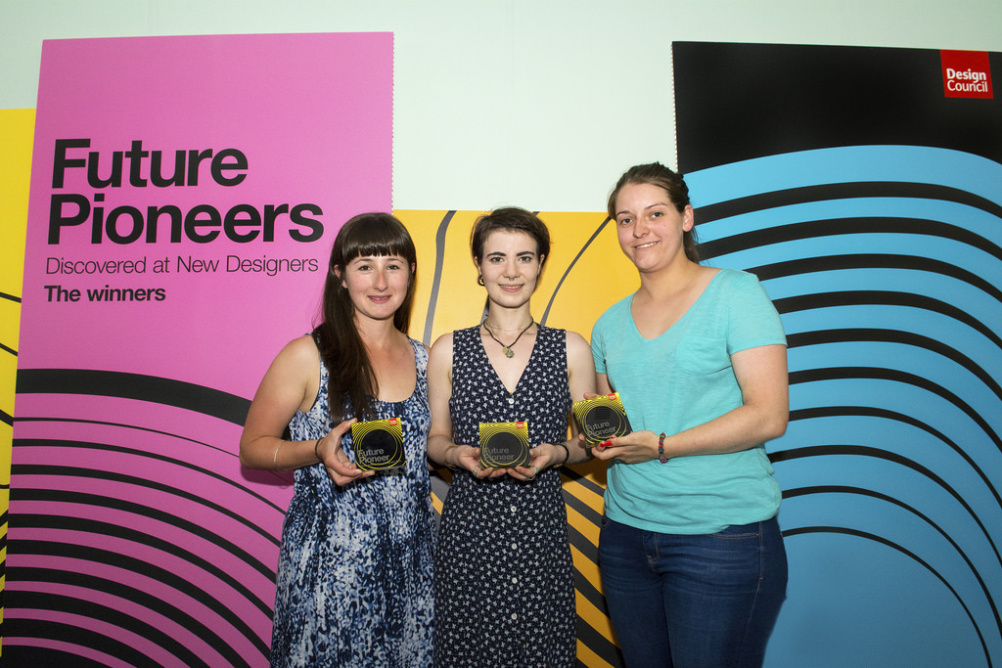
(966, 74)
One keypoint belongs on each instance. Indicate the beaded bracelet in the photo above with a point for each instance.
(567, 453)
(661, 448)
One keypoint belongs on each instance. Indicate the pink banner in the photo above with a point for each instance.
(185, 194)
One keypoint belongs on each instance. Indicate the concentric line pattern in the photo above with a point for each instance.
(10, 306)
(137, 543)
(886, 265)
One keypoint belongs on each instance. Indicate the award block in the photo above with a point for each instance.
(504, 445)
(601, 418)
(378, 444)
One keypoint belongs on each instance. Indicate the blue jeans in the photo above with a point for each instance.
(684, 601)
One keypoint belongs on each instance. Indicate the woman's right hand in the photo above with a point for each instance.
(467, 457)
(341, 469)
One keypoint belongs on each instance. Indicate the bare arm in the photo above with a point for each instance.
(290, 384)
(441, 448)
(581, 379)
(761, 373)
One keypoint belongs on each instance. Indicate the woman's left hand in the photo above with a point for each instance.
(540, 458)
(633, 448)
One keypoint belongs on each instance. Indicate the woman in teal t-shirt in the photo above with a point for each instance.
(691, 555)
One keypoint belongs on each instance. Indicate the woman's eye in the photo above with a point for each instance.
(625, 221)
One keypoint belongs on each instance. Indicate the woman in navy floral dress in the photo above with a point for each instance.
(504, 588)
(354, 579)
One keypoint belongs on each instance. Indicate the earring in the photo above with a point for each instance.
(480, 279)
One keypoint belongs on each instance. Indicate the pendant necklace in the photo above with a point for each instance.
(507, 350)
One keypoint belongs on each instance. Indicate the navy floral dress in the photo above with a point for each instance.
(354, 581)
(504, 586)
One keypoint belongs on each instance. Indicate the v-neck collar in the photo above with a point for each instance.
(497, 376)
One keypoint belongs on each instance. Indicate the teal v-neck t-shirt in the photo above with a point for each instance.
(679, 380)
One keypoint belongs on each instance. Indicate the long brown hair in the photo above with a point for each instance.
(656, 174)
(352, 381)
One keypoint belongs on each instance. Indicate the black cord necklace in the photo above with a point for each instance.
(507, 350)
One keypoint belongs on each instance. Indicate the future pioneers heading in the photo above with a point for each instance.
(203, 223)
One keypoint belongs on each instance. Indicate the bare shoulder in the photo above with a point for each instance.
(442, 348)
(579, 351)
(301, 352)
(576, 342)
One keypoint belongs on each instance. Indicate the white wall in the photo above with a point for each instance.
(540, 103)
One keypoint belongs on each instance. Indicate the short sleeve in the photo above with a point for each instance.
(753, 320)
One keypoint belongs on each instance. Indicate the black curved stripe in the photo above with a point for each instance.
(560, 283)
(20, 655)
(10, 297)
(821, 412)
(883, 541)
(122, 425)
(812, 451)
(24, 600)
(42, 521)
(581, 507)
(824, 263)
(873, 373)
(146, 569)
(822, 300)
(859, 491)
(586, 589)
(836, 227)
(869, 335)
(78, 472)
(37, 442)
(436, 283)
(578, 541)
(141, 387)
(835, 191)
(599, 644)
(134, 481)
(583, 585)
(8, 349)
(138, 596)
(583, 481)
(6, 419)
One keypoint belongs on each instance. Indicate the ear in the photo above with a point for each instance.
(688, 218)
(542, 261)
(337, 272)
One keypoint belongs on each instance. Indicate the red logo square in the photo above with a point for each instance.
(966, 74)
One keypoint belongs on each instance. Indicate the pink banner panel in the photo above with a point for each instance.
(185, 194)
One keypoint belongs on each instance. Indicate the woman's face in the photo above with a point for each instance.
(650, 227)
(377, 284)
(510, 267)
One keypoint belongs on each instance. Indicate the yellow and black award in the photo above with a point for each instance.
(504, 445)
(601, 418)
(378, 444)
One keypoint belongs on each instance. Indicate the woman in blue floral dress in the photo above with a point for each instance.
(354, 579)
